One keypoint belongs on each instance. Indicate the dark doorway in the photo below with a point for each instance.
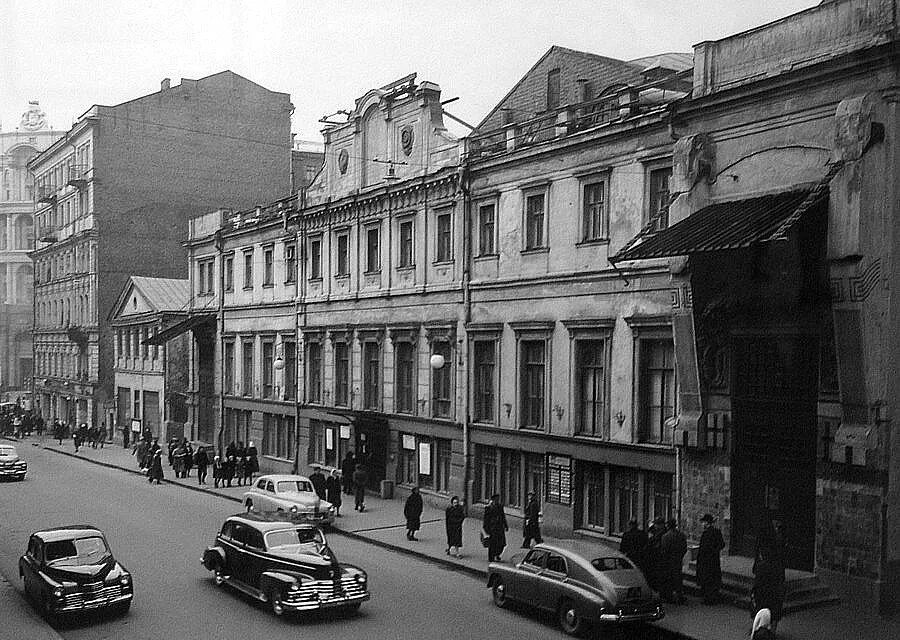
(372, 447)
(773, 464)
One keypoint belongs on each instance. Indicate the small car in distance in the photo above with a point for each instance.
(11, 464)
(285, 564)
(69, 569)
(290, 496)
(582, 584)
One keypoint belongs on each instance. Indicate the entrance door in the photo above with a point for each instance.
(372, 447)
(773, 464)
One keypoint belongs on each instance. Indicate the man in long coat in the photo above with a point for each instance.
(495, 528)
(709, 567)
(634, 545)
(673, 547)
(412, 511)
(318, 480)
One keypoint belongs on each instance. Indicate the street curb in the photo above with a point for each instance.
(447, 564)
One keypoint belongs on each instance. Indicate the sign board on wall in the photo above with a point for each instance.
(329, 439)
(135, 425)
(409, 441)
(559, 479)
(345, 432)
(424, 458)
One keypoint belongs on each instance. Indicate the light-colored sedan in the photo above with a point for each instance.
(11, 465)
(582, 584)
(291, 496)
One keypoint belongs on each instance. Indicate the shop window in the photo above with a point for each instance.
(510, 477)
(657, 496)
(406, 460)
(623, 499)
(594, 497)
(485, 472)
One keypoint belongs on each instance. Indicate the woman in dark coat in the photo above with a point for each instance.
(156, 470)
(252, 465)
(228, 471)
(201, 462)
(333, 490)
(348, 466)
(412, 510)
(495, 528)
(455, 515)
(709, 567)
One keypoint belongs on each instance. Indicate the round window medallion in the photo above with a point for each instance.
(407, 138)
(343, 161)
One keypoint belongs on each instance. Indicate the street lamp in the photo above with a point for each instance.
(436, 361)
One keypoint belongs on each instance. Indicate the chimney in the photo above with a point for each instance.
(165, 84)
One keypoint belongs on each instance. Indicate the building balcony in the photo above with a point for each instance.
(77, 176)
(77, 335)
(47, 234)
(46, 194)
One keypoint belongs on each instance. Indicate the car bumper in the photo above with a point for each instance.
(99, 603)
(329, 603)
(12, 472)
(629, 615)
(310, 518)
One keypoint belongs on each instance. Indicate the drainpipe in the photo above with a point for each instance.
(220, 245)
(467, 316)
(299, 308)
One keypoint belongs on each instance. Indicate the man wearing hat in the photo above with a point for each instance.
(709, 568)
(318, 479)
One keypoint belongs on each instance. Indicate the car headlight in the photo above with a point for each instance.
(294, 509)
(58, 592)
(294, 587)
(360, 578)
(125, 579)
(332, 509)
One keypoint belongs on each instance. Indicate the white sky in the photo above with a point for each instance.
(70, 54)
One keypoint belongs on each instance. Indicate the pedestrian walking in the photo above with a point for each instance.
(318, 480)
(201, 461)
(188, 458)
(156, 470)
(178, 456)
(140, 452)
(673, 547)
(218, 471)
(333, 490)
(101, 434)
(360, 479)
(228, 470)
(348, 466)
(709, 567)
(76, 439)
(494, 528)
(454, 515)
(93, 435)
(412, 511)
(173, 445)
(656, 564)
(531, 530)
(634, 545)
(252, 465)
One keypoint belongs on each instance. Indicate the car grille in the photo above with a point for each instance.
(91, 593)
(346, 587)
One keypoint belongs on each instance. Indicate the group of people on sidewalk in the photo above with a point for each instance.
(659, 554)
(18, 422)
(82, 436)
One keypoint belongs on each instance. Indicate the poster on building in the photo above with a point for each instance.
(329, 439)
(135, 425)
(409, 441)
(559, 479)
(345, 432)
(424, 458)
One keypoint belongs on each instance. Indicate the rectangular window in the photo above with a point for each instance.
(372, 378)
(373, 244)
(343, 255)
(443, 456)
(444, 249)
(657, 389)
(553, 89)
(128, 344)
(483, 364)
(486, 229)
(406, 244)
(593, 215)
(341, 374)
(248, 269)
(290, 370)
(532, 381)
(229, 368)
(268, 266)
(205, 285)
(119, 353)
(534, 221)
(657, 496)
(485, 472)
(268, 369)
(247, 369)
(315, 259)
(314, 371)
(534, 474)
(290, 263)
(623, 499)
(136, 411)
(229, 273)
(441, 387)
(590, 387)
(407, 471)
(510, 477)
(658, 198)
(406, 367)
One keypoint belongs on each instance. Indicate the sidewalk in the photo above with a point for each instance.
(383, 524)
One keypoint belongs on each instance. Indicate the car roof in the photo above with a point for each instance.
(277, 477)
(266, 522)
(67, 532)
(587, 551)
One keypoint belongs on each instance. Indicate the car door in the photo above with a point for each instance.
(233, 536)
(522, 588)
(552, 581)
(31, 566)
(254, 562)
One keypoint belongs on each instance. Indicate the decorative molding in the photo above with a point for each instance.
(405, 333)
(440, 332)
(589, 324)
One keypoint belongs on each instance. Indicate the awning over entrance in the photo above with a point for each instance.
(180, 327)
(729, 225)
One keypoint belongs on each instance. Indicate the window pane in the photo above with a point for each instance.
(405, 377)
(484, 380)
(590, 386)
(315, 259)
(444, 238)
(248, 270)
(372, 247)
(486, 229)
(314, 373)
(593, 215)
(659, 198)
(442, 402)
(657, 389)
(534, 221)
(372, 357)
(532, 383)
(341, 373)
(406, 244)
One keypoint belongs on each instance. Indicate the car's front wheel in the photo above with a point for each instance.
(570, 621)
(498, 592)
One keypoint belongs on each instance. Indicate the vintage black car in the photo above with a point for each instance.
(582, 584)
(69, 569)
(287, 565)
(11, 464)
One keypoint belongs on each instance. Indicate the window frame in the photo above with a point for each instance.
(342, 395)
(404, 260)
(490, 251)
(248, 268)
(528, 243)
(603, 234)
(442, 380)
(537, 331)
(290, 262)
(443, 238)
(315, 257)
(342, 263)
(228, 262)
(409, 404)
(268, 265)
(650, 169)
(646, 329)
(493, 342)
(590, 330)
(372, 373)
(554, 89)
(314, 365)
(373, 259)
(248, 346)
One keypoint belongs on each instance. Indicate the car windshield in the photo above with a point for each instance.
(611, 564)
(77, 551)
(301, 539)
(293, 486)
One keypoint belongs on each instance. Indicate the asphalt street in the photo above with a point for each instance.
(159, 533)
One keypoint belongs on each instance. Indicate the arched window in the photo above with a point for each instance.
(24, 238)
(23, 284)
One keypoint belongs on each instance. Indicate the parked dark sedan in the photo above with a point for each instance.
(582, 584)
(69, 569)
(287, 565)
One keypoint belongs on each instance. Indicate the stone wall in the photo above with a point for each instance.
(705, 488)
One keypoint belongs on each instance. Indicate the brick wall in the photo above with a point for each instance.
(849, 528)
(706, 488)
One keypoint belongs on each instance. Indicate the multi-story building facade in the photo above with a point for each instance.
(151, 380)
(17, 147)
(781, 244)
(114, 195)
(571, 371)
